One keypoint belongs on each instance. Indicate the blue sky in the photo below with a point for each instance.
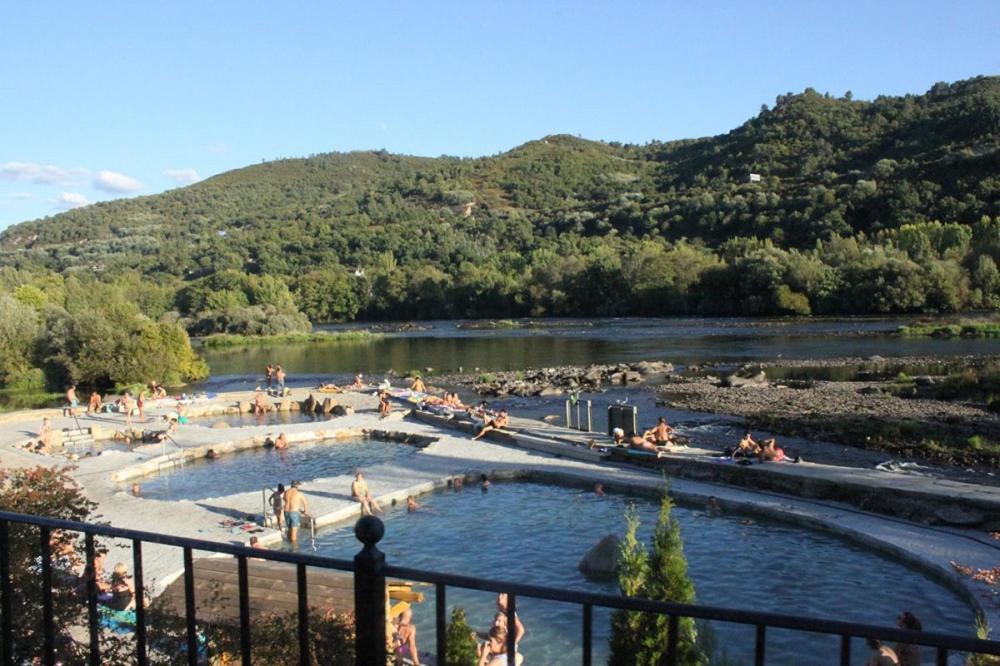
(104, 99)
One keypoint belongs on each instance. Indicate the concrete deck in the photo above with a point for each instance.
(452, 454)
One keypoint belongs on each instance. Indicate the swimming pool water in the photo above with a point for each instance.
(254, 469)
(536, 533)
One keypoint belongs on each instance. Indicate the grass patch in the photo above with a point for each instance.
(967, 329)
(12, 400)
(227, 340)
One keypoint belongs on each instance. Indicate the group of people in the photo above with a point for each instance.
(659, 439)
(900, 654)
(274, 376)
(765, 451)
(115, 591)
(491, 646)
(290, 507)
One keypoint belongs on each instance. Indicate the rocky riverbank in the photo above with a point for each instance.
(865, 414)
(864, 408)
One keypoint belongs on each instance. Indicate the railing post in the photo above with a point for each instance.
(6, 602)
(369, 594)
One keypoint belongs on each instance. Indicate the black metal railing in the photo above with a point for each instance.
(370, 572)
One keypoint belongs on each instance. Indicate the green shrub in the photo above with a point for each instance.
(460, 646)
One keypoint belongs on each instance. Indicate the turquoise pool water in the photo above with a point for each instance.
(254, 469)
(537, 533)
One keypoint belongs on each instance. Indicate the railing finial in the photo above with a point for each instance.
(369, 530)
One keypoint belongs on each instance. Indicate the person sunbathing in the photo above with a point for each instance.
(496, 423)
(642, 444)
(747, 448)
(661, 434)
(771, 452)
(361, 495)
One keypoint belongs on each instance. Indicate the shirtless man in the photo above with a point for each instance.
(94, 406)
(72, 401)
(140, 403)
(358, 381)
(269, 374)
(281, 442)
(499, 421)
(279, 377)
(418, 385)
(361, 494)
(660, 435)
(295, 508)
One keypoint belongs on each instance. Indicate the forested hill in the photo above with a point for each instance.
(850, 191)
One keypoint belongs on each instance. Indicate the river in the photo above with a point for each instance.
(453, 346)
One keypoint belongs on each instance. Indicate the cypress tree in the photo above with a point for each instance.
(659, 573)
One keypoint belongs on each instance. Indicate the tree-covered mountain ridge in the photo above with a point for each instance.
(557, 225)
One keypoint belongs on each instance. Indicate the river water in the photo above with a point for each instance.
(453, 346)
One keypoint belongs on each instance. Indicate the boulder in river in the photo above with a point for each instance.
(601, 561)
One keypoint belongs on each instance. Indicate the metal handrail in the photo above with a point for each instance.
(370, 572)
(697, 611)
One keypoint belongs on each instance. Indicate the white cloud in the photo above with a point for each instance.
(21, 196)
(116, 183)
(40, 174)
(67, 200)
(182, 176)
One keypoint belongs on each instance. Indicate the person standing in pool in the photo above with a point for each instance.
(281, 442)
(295, 508)
(277, 501)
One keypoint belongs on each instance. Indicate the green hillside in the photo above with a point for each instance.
(845, 218)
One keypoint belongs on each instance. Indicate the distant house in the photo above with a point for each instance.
(754, 177)
(359, 272)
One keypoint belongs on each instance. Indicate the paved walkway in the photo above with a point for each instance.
(453, 454)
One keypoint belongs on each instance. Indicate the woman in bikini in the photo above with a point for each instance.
(406, 639)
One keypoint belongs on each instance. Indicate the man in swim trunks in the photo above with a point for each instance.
(295, 508)
(71, 400)
(418, 385)
(279, 377)
(499, 422)
(361, 494)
